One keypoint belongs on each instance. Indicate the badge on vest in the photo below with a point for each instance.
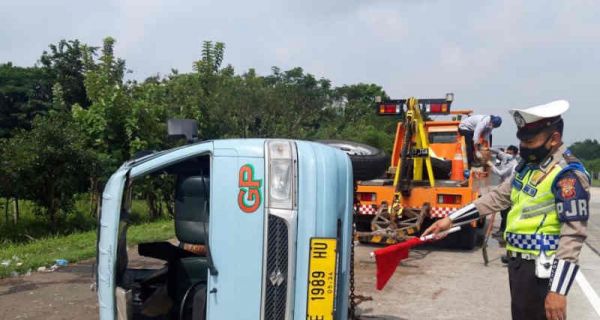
(571, 199)
(567, 188)
(517, 184)
(531, 191)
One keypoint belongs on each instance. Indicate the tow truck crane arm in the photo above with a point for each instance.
(413, 126)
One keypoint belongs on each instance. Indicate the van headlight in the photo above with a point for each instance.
(282, 174)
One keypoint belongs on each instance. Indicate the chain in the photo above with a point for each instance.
(354, 299)
(352, 311)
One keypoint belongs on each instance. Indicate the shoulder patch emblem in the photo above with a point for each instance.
(567, 188)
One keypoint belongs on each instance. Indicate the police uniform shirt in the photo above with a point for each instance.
(572, 205)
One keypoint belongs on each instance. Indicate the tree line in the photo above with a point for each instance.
(69, 121)
(588, 151)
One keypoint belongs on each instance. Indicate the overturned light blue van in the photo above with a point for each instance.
(269, 221)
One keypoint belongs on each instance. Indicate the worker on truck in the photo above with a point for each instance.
(476, 129)
(546, 227)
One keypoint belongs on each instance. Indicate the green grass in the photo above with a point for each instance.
(595, 183)
(32, 226)
(74, 247)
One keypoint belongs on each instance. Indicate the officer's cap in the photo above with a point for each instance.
(532, 121)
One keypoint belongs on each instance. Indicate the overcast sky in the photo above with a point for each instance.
(494, 55)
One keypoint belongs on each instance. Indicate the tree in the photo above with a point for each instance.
(352, 116)
(24, 93)
(103, 124)
(113, 119)
(146, 130)
(208, 83)
(587, 149)
(48, 164)
(296, 103)
(64, 64)
(16, 158)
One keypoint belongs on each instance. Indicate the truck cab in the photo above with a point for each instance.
(269, 222)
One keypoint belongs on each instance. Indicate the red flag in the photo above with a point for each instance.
(388, 258)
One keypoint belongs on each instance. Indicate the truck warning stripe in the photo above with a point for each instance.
(436, 212)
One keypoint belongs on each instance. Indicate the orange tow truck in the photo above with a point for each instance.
(428, 177)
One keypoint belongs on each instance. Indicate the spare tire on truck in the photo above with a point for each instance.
(367, 162)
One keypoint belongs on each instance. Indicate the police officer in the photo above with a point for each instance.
(546, 226)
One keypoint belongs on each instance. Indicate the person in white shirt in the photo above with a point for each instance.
(508, 163)
(476, 128)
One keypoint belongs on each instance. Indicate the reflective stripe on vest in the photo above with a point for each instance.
(530, 204)
(536, 242)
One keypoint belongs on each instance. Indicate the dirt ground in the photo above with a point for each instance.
(63, 294)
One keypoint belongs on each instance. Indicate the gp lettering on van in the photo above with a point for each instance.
(250, 196)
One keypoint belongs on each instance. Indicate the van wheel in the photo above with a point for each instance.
(367, 162)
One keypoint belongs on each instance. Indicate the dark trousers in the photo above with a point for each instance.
(469, 143)
(527, 292)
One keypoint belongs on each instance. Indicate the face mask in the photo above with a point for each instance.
(535, 155)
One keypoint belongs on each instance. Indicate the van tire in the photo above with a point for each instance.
(368, 162)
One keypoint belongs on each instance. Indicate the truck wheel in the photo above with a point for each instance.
(367, 162)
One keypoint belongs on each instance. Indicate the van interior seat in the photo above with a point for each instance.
(191, 226)
(187, 272)
(191, 220)
(191, 209)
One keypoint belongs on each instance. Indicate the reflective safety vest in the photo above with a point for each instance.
(532, 224)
